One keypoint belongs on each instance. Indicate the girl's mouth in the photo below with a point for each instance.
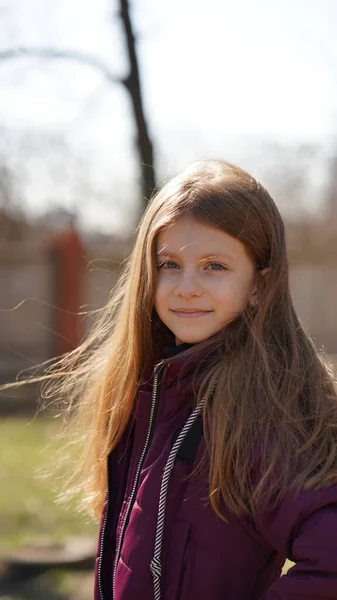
(191, 315)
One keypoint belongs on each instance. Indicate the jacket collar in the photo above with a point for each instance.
(179, 360)
(171, 351)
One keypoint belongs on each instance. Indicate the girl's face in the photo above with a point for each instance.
(205, 279)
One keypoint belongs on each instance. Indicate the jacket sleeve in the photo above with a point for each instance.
(304, 529)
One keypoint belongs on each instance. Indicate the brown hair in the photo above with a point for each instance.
(271, 423)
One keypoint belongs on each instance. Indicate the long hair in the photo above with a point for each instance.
(271, 421)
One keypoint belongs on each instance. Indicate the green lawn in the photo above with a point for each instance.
(27, 507)
(28, 512)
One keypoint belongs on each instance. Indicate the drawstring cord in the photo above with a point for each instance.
(155, 565)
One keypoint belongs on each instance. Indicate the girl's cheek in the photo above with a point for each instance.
(162, 289)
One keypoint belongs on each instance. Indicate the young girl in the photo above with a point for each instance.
(211, 422)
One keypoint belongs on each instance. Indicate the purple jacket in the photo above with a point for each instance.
(161, 540)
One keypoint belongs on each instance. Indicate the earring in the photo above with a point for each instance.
(257, 302)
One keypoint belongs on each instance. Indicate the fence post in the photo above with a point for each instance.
(68, 279)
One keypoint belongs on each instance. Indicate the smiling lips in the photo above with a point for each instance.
(191, 313)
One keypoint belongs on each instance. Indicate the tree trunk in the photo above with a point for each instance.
(132, 83)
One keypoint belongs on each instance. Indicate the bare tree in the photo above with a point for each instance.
(131, 83)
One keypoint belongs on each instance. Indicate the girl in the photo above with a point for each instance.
(210, 420)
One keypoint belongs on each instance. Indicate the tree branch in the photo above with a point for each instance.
(54, 54)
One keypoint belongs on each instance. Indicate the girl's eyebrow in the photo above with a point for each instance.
(166, 252)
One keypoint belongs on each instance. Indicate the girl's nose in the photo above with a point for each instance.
(188, 286)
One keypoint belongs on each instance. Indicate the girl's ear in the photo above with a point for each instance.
(255, 296)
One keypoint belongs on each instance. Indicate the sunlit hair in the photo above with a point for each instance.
(271, 423)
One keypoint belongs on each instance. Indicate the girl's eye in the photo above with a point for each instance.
(218, 266)
(166, 264)
(170, 264)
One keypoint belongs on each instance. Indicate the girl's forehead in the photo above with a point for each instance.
(187, 226)
(187, 236)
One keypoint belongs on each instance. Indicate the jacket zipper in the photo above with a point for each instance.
(155, 565)
(157, 371)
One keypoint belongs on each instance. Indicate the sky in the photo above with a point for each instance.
(219, 78)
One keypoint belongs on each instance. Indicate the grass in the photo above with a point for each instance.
(54, 585)
(28, 511)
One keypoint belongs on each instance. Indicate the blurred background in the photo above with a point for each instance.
(99, 102)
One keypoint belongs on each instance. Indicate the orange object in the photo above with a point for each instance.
(68, 264)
